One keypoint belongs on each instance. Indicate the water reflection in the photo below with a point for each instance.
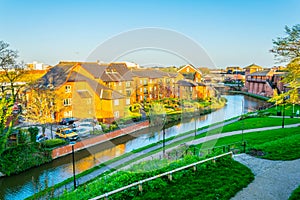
(22, 185)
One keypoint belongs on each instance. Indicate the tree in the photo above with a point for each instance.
(287, 48)
(6, 107)
(42, 105)
(292, 78)
(12, 72)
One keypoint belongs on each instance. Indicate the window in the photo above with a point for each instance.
(141, 90)
(145, 82)
(127, 101)
(67, 102)
(141, 97)
(128, 84)
(150, 81)
(188, 69)
(128, 93)
(116, 102)
(89, 101)
(116, 114)
(68, 113)
(68, 88)
(141, 81)
(120, 83)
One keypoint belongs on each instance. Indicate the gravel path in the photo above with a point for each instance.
(273, 179)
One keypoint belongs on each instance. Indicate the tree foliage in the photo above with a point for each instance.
(288, 47)
(42, 105)
(292, 78)
(157, 114)
(6, 107)
(12, 72)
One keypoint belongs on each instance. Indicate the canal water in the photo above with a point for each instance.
(29, 182)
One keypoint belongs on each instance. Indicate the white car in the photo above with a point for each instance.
(88, 126)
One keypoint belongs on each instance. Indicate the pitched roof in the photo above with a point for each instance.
(186, 83)
(189, 65)
(152, 73)
(260, 73)
(95, 69)
(252, 66)
(57, 75)
(100, 90)
(113, 72)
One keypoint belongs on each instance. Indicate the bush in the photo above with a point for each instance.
(33, 133)
(22, 157)
(53, 143)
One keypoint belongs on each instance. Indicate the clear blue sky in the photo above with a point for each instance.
(233, 32)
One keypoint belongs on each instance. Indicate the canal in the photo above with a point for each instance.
(29, 182)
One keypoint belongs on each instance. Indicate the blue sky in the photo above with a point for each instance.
(232, 32)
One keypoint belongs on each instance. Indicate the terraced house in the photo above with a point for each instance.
(104, 91)
(192, 86)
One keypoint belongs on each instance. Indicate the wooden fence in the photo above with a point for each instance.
(169, 174)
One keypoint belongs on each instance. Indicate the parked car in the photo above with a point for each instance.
(67, 121)
(41, 138)
(83, 132)
(88, 124)
(67, 134)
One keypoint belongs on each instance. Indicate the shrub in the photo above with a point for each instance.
(22, 157)
(33, 133)
(53, 143)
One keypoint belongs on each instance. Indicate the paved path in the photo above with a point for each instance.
(116, 164)
(274, 180)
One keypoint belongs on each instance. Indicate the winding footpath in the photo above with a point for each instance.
(274, 180)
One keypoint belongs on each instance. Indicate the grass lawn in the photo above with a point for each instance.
(220, 180)
(279, 144)
(251, 123)
(287, 112)
(295, 195)
(212, 181)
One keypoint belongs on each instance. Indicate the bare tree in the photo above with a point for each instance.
(12, 73)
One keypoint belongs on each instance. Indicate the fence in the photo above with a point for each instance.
(169, 174)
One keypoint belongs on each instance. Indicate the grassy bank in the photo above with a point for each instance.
(249, 94)
(226, 177)
(279, 144)
(295, 195)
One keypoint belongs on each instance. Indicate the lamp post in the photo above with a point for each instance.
(293, 109)
(73, 159)
(164, 140)
(284, 98)
(242, 120)
(195, 122)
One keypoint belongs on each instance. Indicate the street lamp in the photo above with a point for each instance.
(73, 159)
(195, 121)
(242, 120)
(284, 98)
(164, 140)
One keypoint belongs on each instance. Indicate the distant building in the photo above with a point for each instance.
(233, 70)
(37, 66)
